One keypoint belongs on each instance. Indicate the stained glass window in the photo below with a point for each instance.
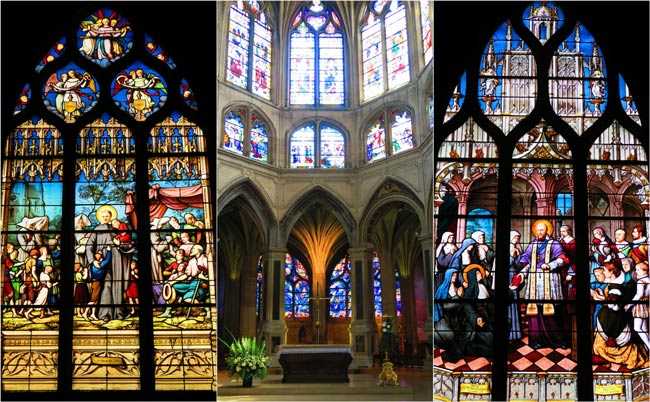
(398, 133)
(427, 33)
(385, 62)
(571, 206)
(104, 37)
(316, 49)
(317, 141)
(246, 133)
(340, 292)
(259, 280)
(377, 288)
(507, 90)
(296, 289)
(138, 226)
(249, 48)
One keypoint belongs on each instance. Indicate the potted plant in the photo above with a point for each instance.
(247, 358)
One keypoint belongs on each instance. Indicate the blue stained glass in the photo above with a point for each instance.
(262, 58)
(188, 94)
(456, 100)
(234, 131)
(23, 99)
(156, 51)
(627, 101)
(258, 288)
(70, 92)
(340, 291)
(332, 89)
(373, 71)
(376, 279)
(139, 90)
(375, 140)
(259, 140)
(398, 294)
(104, 37)
(54, 53)
(296, 289)
(543, 18)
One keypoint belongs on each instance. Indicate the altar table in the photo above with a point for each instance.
(315, 363)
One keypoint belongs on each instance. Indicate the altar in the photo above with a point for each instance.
(315, 363)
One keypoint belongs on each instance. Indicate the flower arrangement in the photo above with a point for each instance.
(247, 358)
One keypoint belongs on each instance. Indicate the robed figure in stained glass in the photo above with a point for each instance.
(541, 262)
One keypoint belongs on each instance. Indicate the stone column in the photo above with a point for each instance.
(273, 323)
(363, 329)
(426, 243)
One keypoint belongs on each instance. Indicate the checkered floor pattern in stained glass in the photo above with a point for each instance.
(522, 357)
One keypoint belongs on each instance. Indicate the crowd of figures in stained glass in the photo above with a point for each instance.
(544, 260)
(107, 263)
(297, 289)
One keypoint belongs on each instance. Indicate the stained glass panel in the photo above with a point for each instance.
(427, 33)
(373, 66)
(238, 37)
(506, 90)
(259, 288)
(52, 54)
(32, 197)
(401, 131)
(23, 99)
(182, 265)
(627, 100)
(139, 90)
(340, 291)
(456, 100)
(543, 18)
(577, 80)
(376, 279)
(104, 37)
(302, 67)
(70, 93)
(302, 147)
(188, 94)
(397, 57)
(234, 131)
(259, 139)
(297, 292)
(375, 140)
(262, 58)
(157, 52)
(332, 147)
(332, 90)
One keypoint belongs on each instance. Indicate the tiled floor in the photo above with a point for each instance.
(415, 385)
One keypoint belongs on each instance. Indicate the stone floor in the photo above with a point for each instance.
(415, 385)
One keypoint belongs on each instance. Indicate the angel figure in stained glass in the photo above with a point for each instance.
(141, 88)
(69, 99)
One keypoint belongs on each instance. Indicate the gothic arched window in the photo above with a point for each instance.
(108, 227)
(376, 275)
(541, 202)
(317, 144)
(427, 33)
(316, 57)
(384, 48)
(246, 133)
(259, 287)
(296, 289)
(249, 48)
(340, 291)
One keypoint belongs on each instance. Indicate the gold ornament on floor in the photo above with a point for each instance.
(387, 375)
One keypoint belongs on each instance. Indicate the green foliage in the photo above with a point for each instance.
(247, 357)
